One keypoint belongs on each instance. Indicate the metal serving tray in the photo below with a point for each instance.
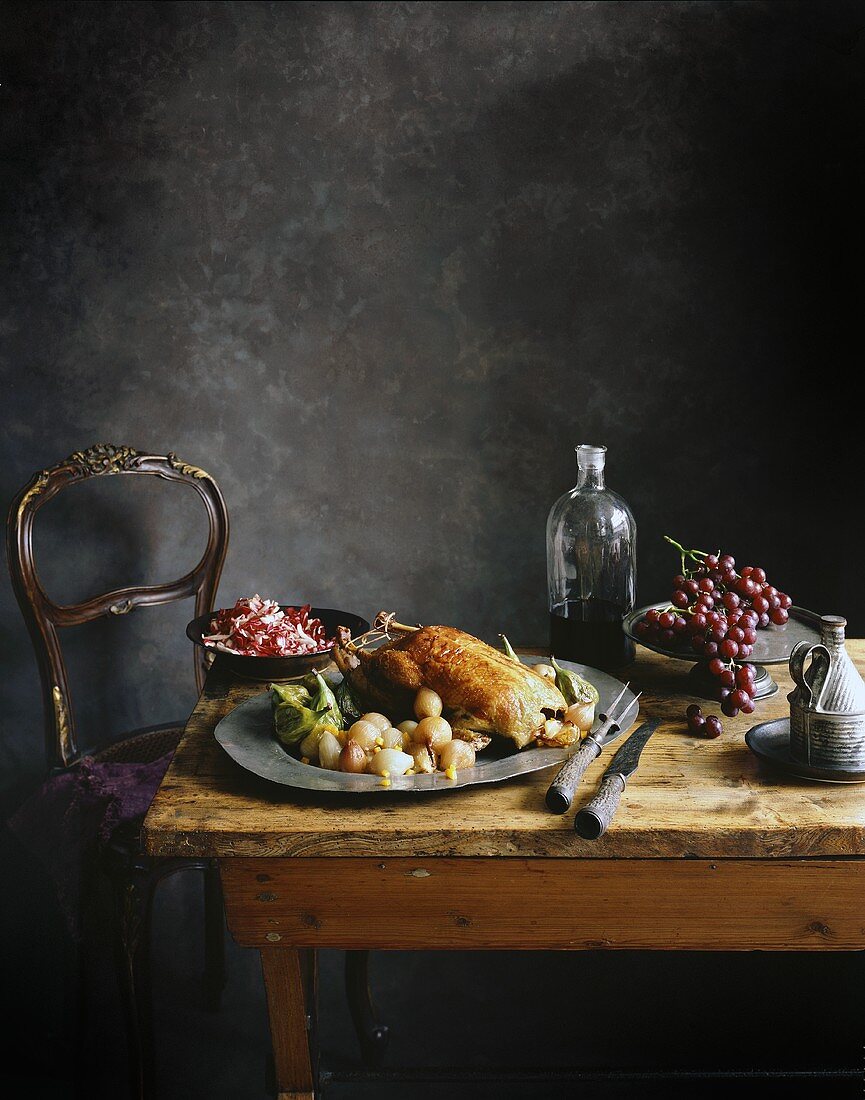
(247, 736)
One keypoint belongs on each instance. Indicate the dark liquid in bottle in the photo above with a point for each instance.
(590, 633)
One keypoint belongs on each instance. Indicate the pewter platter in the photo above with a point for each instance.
(773, 646)
(247, 736)
(771, 742)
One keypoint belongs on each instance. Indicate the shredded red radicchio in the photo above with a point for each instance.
(260, 628)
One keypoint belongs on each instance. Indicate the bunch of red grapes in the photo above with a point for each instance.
(715, 613)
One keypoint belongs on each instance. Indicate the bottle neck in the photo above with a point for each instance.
(590, 477)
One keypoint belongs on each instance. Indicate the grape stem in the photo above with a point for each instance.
(694, 555)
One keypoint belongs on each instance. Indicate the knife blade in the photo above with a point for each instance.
(560, 794)
(594, 818)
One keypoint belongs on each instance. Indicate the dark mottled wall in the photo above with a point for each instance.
(378, 267)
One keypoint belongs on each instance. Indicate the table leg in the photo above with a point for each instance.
(286, 1003)
(372, 1035)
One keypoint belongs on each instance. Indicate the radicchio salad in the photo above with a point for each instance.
(256, 627)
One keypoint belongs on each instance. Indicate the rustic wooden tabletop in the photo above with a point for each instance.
(708, 851)
(690, 798)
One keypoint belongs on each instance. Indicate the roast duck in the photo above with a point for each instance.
(483, 691)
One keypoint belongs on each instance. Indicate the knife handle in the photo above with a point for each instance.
(561, 791)
(593, 819)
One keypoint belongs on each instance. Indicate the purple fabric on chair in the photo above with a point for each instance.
(64, 823)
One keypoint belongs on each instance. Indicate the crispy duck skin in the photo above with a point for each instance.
(482, 690)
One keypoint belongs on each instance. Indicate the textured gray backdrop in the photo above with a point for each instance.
(378, 267)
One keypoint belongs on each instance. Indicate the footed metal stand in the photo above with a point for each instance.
(704, 684)
(773, 647)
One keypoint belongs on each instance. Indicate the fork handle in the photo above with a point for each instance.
(593, 819)
(561, 791)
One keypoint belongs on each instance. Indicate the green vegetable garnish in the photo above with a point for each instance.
(299, 711)
(348, 705)
(324, 702)
(574, 688)
(293, 715)
(292, 694)
(509, 649)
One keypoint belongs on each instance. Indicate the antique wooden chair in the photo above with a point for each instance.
(132, 874)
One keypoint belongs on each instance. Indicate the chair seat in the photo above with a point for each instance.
(142, 746)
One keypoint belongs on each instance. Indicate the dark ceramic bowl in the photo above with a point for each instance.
(279, 668)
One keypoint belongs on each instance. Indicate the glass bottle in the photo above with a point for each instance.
(591, 568)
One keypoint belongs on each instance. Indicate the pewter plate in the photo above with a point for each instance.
(771, 742)
(773, 646)
(247, 736)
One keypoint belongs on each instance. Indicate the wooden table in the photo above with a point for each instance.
(708, 851)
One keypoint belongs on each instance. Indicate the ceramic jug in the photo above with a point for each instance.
(827, 705)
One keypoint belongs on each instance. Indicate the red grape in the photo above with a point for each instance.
(716, 613)
(713, 726)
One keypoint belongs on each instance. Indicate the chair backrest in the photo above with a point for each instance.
(44, 617)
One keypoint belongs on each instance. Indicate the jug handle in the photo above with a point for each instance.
(811, 681)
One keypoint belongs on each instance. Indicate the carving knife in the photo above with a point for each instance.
(593, 819)
(561, 791)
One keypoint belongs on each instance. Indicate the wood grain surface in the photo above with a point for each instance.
(417, 904)
(286, 1005)
(690, 798)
